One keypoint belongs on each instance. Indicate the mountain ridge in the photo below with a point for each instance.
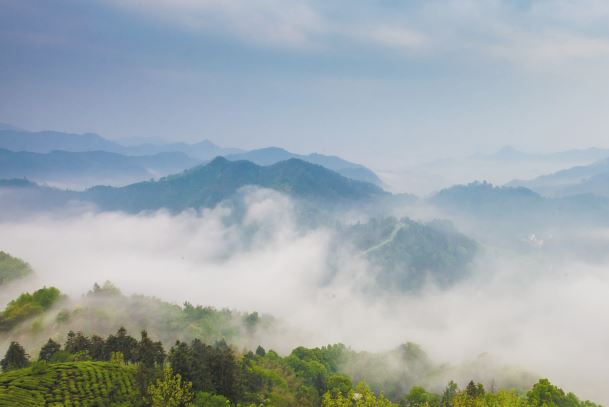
(208, 184)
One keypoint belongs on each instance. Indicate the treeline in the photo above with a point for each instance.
(199, 374)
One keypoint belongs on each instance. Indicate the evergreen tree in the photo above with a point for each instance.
(15, 358)
(224, 368)
(146, 351)
(77, 343)
(97, 348)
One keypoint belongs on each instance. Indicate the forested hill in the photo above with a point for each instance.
(207, 185)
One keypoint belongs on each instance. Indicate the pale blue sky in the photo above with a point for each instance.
(380, 82)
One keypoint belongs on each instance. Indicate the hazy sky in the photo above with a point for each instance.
(379, 82)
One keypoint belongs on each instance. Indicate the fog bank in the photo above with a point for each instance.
(539, 313)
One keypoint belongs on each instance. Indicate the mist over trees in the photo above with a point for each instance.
(121, 369)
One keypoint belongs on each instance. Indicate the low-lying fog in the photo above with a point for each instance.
(547, 316)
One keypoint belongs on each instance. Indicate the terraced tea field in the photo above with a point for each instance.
(68, 384)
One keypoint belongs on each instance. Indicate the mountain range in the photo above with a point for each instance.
(273, 155)
(82, 169)
(205, 186)
(81, 160)
(582, 179)
(499, 167)
(48, 141)
(519, 208)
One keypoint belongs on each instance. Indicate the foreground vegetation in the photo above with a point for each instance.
(122, 370)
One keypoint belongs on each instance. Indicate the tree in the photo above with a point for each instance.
(339, 383)
(201, 355)
(544, 393)
(361, 397)
(15, 358)
(170, 391)
(48, 350)
(260, 351)
(149, 353)
(121, 342)
(77, 343)
(223, 366)
(449, 394)
(474, 390)
(97, 348)
(107, 290)
(419, 397)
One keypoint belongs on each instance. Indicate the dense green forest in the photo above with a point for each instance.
(122, 370)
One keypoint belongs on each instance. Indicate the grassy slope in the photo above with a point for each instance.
(68, 384)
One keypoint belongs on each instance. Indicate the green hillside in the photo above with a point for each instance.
(12, 268)
(207, 185)
(409, 252)
(68, 384)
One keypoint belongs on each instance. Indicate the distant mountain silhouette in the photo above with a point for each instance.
(519, 207)
(207, 185)
(47, 141)
(90, 167)
(582, 179)
(272, 155)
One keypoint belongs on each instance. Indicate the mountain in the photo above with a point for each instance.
(47, 141)
(409, 253)
(518, 208)
(203, 150)
(499, 167)
(206, 185)
(272, 155)
(81, 169)
(201, 186)
(583, 179)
